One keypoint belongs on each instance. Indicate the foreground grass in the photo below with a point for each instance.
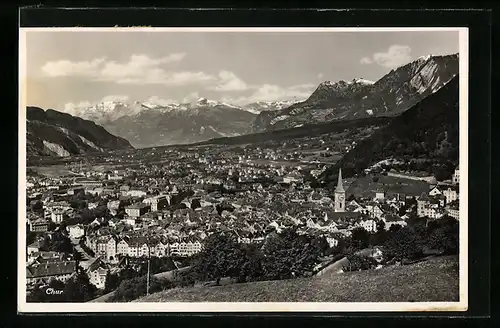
(435, 280)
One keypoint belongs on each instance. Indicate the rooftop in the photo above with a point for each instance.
(50, 269)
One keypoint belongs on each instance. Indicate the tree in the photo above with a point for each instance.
(52, 226)
(359, 262)
(221, 257)
(380, 226)
(252, 268)
(131, 289)
(320, 243)
(36, 295)
(112, 282)
(379, 237)
(445, 236)
(61, 243)
(30, 237)
(414, 220)
(441, 173)
(395, 227)
(195, 204)
(77, 256)
(37, 206)
(404, 244)
(360, 238)
(79, 289)
(288, 255)
(375, 178)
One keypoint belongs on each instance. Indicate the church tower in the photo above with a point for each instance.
(340, 195)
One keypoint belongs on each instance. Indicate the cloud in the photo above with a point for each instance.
(160, 101)
(228, 81)
(272, 92)
(121, 98)
(69, 68)
(168, 79)
(366, 61)
(395, 56)
(75, 108)
(139, 69)
(191, 97)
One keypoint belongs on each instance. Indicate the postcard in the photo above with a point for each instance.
(243, 169)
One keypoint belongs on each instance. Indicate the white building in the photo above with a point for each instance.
(57, 216)
(97, 272)
(122, 248)
(451, 194)
(369, 225)
(456, 176)
(157, 203)
(76, 231)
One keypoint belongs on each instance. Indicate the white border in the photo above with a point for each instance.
(240, 29)
(462, 305)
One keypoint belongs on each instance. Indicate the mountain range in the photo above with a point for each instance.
(52, 133)
(182, 123)
(391, 95)
(147, 124)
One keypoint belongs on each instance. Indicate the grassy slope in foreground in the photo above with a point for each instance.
(435, 280)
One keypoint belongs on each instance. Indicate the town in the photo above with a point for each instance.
(94, 215)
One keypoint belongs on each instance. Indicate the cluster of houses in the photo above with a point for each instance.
(111, 247)
(43, 266)
(441, 200)
(251, 211)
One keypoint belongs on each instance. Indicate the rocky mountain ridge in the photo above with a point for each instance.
(53, 133)
(391, 95)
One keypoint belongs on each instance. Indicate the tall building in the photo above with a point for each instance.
(339, 195)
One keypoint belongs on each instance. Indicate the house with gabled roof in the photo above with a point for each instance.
(44, 272)
(435, 190)
(97, 271)
(451, 194)
(391, 219)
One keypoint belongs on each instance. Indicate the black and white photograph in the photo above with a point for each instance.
(243, 169)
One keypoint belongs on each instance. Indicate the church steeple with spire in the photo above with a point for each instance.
(339, 195)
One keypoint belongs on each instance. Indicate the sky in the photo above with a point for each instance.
(78, 69)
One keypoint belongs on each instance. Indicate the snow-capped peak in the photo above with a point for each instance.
(327, 83)
(363, 81)
(424, 58)
(260, 106)
(206, 102)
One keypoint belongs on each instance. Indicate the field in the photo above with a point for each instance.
(365, 186)
(54, 171)
(434, 280)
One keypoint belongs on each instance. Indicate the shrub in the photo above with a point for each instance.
(359, 262)
(405, 244)
(132, 289)
(445, 236)
(289, 255)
